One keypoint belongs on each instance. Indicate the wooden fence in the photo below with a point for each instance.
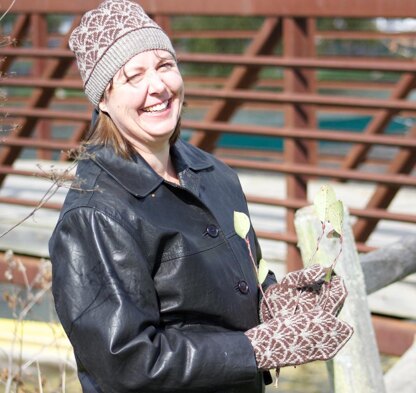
(294, 65)
(357, 368)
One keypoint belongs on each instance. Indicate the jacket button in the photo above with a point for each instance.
(243, 286)
(212, 230)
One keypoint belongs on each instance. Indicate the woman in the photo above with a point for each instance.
(152, 285)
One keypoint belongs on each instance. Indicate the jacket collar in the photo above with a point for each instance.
(137, 177)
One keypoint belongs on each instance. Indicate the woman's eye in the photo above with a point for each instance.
(167, 65)
(134, 78)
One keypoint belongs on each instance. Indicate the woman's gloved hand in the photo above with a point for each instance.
(301, 291)
(298, 339)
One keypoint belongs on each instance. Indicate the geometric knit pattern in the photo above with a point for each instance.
(108, 37)
(298, 339)
(302, 291)
(101, 27)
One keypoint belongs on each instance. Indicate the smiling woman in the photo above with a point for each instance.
(153, 287)
(145, 101)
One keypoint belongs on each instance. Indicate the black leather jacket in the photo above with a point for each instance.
(150, 281)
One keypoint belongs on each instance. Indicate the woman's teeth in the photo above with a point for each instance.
(157, 108)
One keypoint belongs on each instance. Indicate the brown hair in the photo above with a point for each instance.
(105, 132)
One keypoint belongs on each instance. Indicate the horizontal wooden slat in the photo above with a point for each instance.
(297, 8)
(308, 170)
(299, 133)
(306, 99)
(334, 63)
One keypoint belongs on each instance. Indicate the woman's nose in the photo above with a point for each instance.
(156, 84)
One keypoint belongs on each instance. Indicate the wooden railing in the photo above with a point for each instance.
(281, 69)
(278, 68)
(358, 367)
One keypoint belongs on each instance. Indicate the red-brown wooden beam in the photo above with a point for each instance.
(324, 34)
(298, 41)
(365, 213)
(40, 144)
(363, 35)
(289, 169)
(404, 162)
(76, 84)
(301, 133)
(293, 8)
(222, 127)
(39, 38)
(292, 240)
(241, 77)
(214, 34)
(77, 136)
(20, 27)
(294, 98)
(380, 121)
(394, 336)
(44, 113)
(298, 98)
(215, 127)
(309, 170)
(337, 63)
(278, 83)
(30, 203)
(32, 269)
(249, 61)
(39, 99)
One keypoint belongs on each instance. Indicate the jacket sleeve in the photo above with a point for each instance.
(111, 315)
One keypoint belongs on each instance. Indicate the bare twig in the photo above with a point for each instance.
(39, 378)
(318, 243)
(8, 10)
(59, 180)
(46, 197)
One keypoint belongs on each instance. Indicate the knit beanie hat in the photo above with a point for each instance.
(108, 37)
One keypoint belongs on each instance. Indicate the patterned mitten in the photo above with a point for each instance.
(302, 291)
(298, 339)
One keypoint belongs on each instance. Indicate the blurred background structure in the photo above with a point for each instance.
(293, 94)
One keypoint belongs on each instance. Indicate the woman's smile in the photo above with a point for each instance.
(157, 107)
(145, 100)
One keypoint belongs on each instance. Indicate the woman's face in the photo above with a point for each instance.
(145, 99)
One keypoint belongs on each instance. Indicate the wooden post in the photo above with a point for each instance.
(389, 264)
(357, 367)
(401, 377)
(40, 40)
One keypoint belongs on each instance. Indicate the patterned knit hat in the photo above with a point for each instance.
(108, 37)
